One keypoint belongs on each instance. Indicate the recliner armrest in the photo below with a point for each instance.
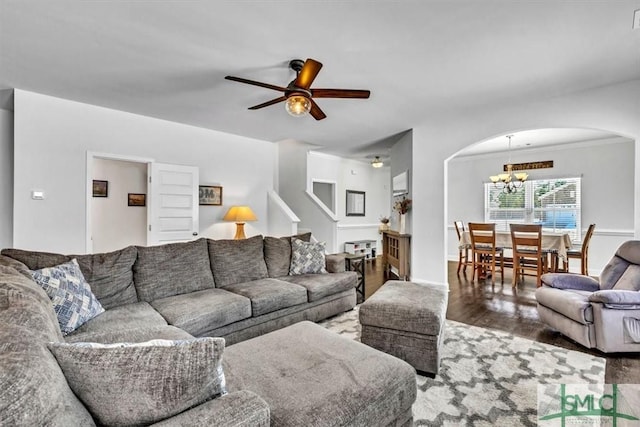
(570, 281)
(334, 263)
(619, 299)
(238, 408)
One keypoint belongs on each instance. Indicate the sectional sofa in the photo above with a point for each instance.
(238, 290)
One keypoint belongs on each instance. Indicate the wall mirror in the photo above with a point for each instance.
(355, 203)
(401, 183)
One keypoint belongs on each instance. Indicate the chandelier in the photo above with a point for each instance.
(509, 182)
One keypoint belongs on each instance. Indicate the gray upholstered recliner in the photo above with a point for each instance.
(601, 314)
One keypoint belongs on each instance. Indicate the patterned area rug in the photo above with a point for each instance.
(487, 377)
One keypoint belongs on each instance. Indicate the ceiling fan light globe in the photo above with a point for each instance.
(297, 105)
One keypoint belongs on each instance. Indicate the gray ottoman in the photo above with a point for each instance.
(310, 376)
(406, 320)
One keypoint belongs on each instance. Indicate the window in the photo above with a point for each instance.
(554, 203)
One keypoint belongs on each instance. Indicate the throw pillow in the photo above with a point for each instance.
(277, 253)
(307, 257)
(71, 295)
(135, 384)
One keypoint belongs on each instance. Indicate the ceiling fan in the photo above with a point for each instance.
(298, 95)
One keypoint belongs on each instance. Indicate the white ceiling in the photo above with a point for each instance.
(420, 59)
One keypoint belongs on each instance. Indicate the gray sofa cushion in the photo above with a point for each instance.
(319, 286)
(109, 274)
(133, 384)
(269, 295)
(236, 261)
(630, 279)
(172, 269)
(141, 333)
(33, 390)
(129, 316)
(322, 379)
(277, 253)
(242, 409)
(570, 281)
(620, 299)
(198, 312)
(571, 303)
(307, 257)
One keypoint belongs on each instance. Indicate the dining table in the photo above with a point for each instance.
(556, 243)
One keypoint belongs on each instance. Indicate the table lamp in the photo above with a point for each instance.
(240, 214)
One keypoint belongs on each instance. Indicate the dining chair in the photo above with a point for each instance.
(463, 249)
(526, 242)
(582, 254)
(484, 252)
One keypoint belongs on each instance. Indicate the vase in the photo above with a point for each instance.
(383, 227)
(403, 223)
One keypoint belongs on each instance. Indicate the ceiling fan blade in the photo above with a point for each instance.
(316, 112)
(340, 93)
(266, 104)
(255, 83)
(307, 75)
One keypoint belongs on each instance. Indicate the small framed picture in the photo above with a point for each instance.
(136, 199)
(211, 195)
(100, 188)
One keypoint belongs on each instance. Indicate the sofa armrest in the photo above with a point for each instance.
(617, 299)
(570, 281)
(241, 408)
(334, 263)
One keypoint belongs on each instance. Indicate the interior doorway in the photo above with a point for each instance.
(117, 202)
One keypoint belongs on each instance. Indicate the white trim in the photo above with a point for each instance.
(283, 206)
(334, 191)
(612, 232)
(356, 226)
(90, 157)
(322, 206)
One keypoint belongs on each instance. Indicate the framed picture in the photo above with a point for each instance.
(355, 203)
(100, 188)
(211, 195)
(136, 199)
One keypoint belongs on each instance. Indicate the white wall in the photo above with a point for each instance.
(52, 136)
(401, 161)
(603, 166)
(6, 178)
(295, 190)
(355, 175)
(115, 224)
(613, 108)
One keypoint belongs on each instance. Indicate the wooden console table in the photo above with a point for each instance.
(396, 252)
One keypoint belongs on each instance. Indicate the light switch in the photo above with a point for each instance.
(37, 195)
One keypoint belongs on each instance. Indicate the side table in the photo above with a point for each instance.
(354, 262)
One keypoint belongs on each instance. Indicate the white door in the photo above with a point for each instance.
(173, 213)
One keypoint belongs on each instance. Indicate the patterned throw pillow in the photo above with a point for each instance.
(306, 257)
(71, 295)
(139, 384)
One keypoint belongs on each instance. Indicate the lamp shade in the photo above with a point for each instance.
(240, 214)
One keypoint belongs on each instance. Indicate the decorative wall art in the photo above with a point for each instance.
(136, 199)
(100, 188)
(210, 195)
(355, 203)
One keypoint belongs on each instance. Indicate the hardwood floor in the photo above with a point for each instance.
(511, 310)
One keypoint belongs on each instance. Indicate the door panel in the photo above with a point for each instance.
(173, 202)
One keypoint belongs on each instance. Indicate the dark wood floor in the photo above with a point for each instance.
(511, 310)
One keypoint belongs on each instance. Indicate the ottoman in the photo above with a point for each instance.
(406, 320)
(310, 376)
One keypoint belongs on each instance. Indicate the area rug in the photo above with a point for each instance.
(487, 377)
